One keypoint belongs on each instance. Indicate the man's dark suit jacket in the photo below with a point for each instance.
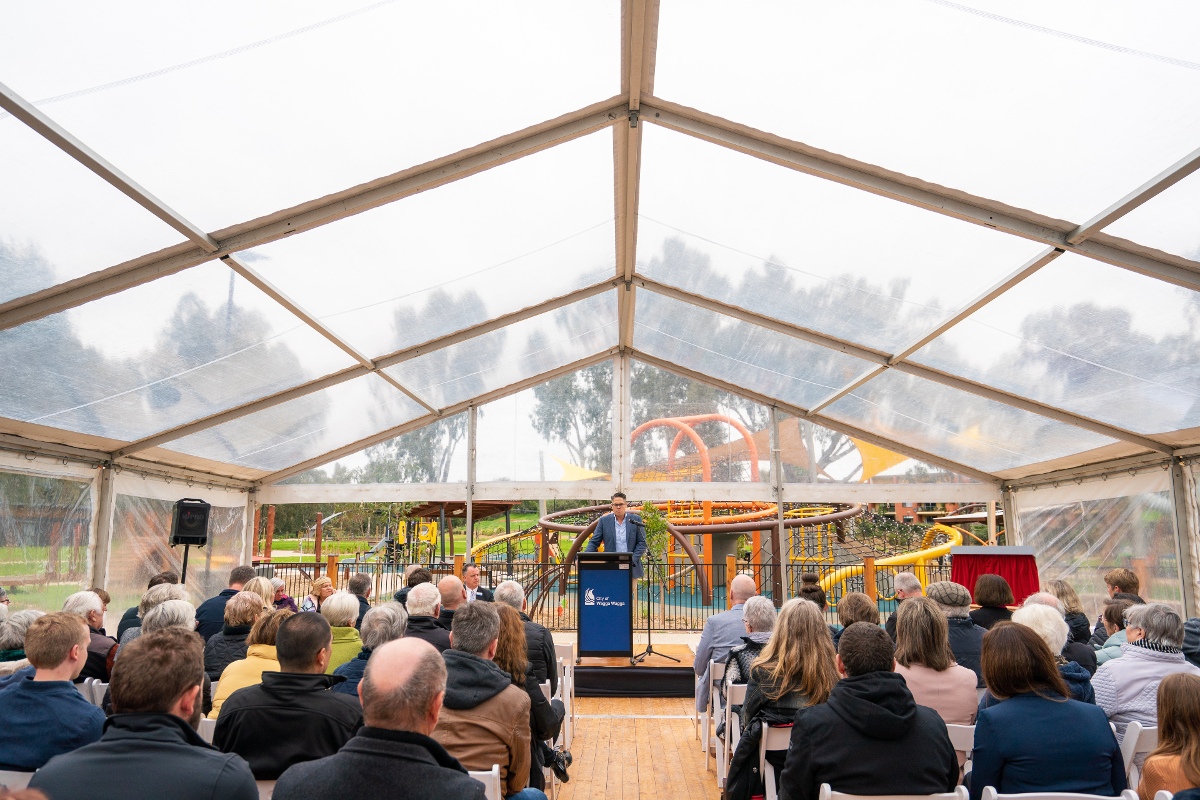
(635, 538)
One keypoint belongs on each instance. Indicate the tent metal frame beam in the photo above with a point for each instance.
(952, 203)
(377, 366)
(885, 361)
(27, 113)
(318, 212)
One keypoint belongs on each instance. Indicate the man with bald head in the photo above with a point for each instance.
(722, 633)
(393, 756)
(454, 595)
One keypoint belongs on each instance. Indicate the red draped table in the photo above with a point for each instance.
(1015, 564)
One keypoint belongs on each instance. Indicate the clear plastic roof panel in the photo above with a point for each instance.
(805, 250)
(559, 431)
(511, 354)
(687, 431)
(1100, 341)
(58, 220)
(740, 353)
(229, 110)
(446, 259)
(157, 356)
(435, 453)
(304, 428)
(961, 427)
(931, 89)
(1166, 222)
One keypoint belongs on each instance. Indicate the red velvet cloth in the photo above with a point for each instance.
(1019, 570)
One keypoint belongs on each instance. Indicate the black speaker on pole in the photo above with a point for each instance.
(190, 523)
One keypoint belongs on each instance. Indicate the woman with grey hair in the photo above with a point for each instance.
(380, 625)
(1127, 687)
(12, 642)
(340, 610)
(758, 615)
(152, 597)
(281, 596)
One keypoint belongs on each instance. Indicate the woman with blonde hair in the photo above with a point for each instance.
(321, 588)
(924, 658)
(544, 718)
(260, 658)
(1077, 621)
(262, 587)
(1175, 764)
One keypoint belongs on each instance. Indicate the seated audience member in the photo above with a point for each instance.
(906, 585)
(1113, 617)
(150, 748)
(210, 616)
(4, 601)
(485, 718)
(758, 620)
(538, 641)
(721, 632)
(159, 593)
(228, 646)
(1126, 687)
(1036, 739)
(993, 595)
(924, 659)
(133, 616)
(173, 614)
(1175, 764)
(414, 575)
(44, 715)
(1191, 641)
(102, 650)
(966, 638)
(854, 607)
(321, 588)
(282, 600)
(340, 610)
(545, 715)
(810, 590)
(1116, 581)
(470, 579)
(381, 625)
(870, 736)
(454, 597)
(105, 599)
(794, 671)
(1077, 621)
(1078, 652)
(260, 658)
(1046, 623)
(360, 586)
(291, 716)
(424, 605)
(262, 587)
(392, 757)
(14, 663)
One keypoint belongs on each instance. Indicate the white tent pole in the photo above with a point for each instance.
(472, 420)
(1012, 523)
(105, 511)
(620, 423)
(1183, 500)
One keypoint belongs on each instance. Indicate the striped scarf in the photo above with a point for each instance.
(1156, 646)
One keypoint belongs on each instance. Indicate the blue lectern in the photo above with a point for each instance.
(605, 604)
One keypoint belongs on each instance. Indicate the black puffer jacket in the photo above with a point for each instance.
(224, 648)
(1080, 630)
(539, 646)
(966, 643)
(1191, 640)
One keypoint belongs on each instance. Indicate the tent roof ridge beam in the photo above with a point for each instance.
(796, 411)
(50, 130)
(1085, 471)
(838, 394)
(409, 393)
(314, 213)
(1032, 406)
(391, 433)
(1144, 193)
(887, 183)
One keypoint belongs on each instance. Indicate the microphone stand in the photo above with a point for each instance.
(649, 651)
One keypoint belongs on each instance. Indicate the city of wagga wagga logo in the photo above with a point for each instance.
(590, 599)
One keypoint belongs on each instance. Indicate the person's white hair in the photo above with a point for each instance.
(1162, 625)
(3, 613)
(908, 583)
(759, 614)
(83, 603)
(277, 583)
(383, 623)
(170, 614)
(511, 594)
(1046, 622)
(1046, 599)
(742, 588)
(340, 609)
(12, 630)
(161, 594)
(422, 599)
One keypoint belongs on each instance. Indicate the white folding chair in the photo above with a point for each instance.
(990, 793)
(716, 673)
(207, 728)
(98, 691)
(1138, 741)
(959, 793)
(1163, 794)
(773, 739)
(15, 780)
(490, 781)
(565, 653)
(265, 789)
(551, 786)
(736, 696)
(212, 687)
(963, 739)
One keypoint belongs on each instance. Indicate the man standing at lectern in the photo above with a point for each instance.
(621, 532)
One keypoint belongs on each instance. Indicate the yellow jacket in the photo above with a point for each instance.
(346, 645)
(259, 658)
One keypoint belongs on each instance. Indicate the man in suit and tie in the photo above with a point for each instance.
(621, 532)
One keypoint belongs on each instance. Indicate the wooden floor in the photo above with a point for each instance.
(637, 748)
(680, 651)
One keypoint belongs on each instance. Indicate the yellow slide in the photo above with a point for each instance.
(915, 558)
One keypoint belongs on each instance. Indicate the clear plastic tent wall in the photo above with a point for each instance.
(396, 273)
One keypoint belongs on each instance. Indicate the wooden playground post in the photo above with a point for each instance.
(730, 573)
(458, 565)
(1143, 574)
(317, 542)
(869, 588)
(331, 569)
(257, 527)
(270, 532)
